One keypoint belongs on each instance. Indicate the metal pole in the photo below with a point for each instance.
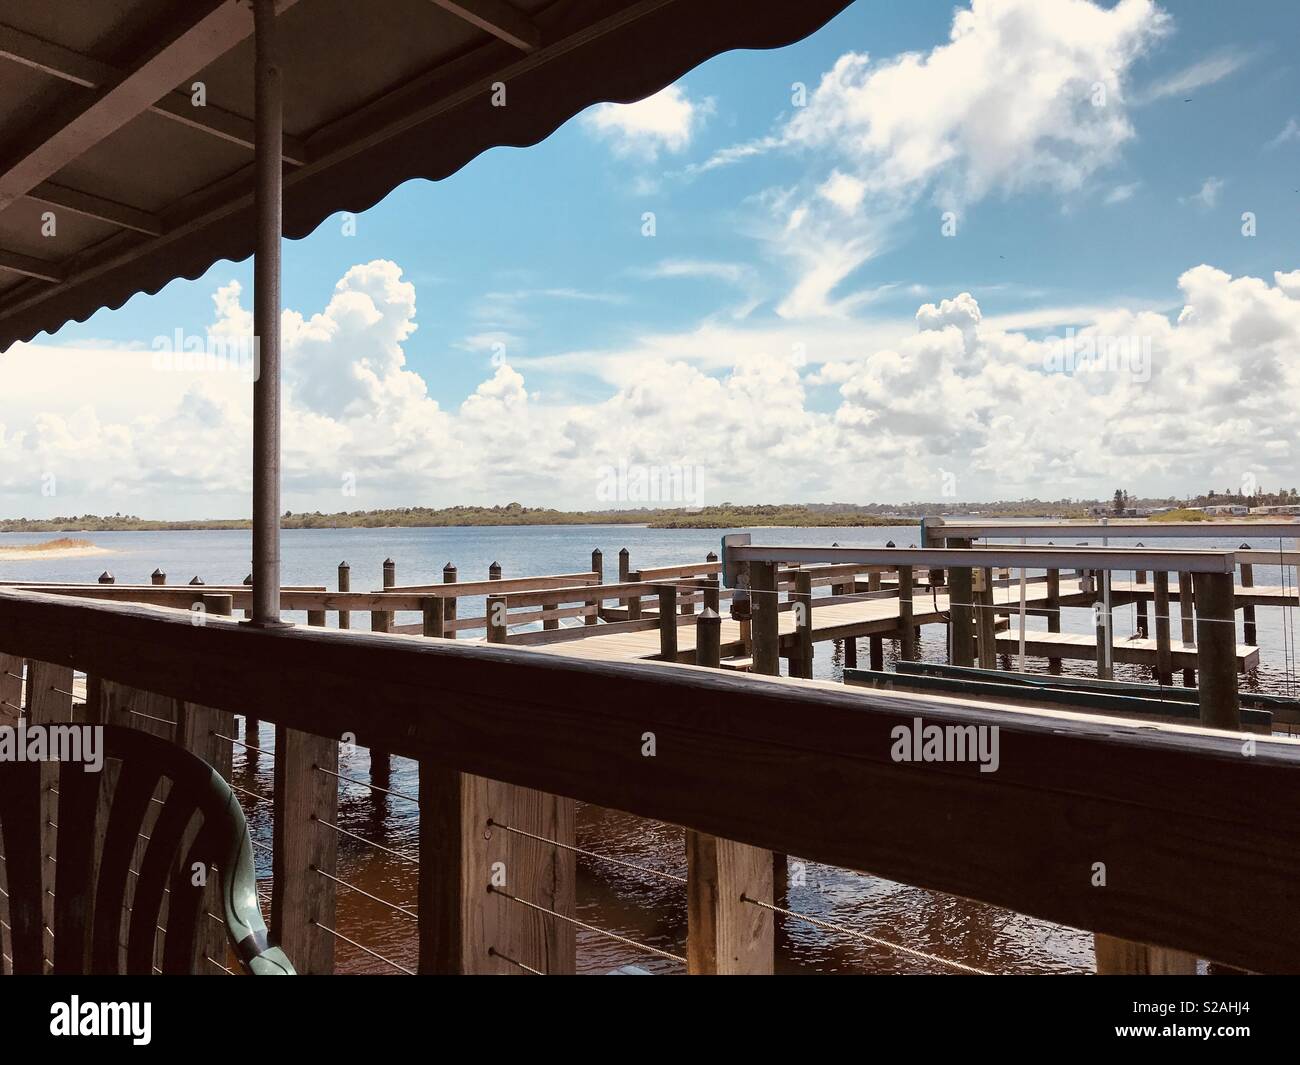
(269, 137)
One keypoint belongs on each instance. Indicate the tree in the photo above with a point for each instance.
(1118, 505)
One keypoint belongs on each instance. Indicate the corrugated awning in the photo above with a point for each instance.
(132, 120)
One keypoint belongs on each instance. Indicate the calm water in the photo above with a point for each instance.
(640, 906)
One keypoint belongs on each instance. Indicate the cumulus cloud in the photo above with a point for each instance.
(1024, 95)
(1163, 403)
(664, 122)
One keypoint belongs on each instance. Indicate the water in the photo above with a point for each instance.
(640, 906)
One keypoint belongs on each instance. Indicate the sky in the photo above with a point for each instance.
(997, 250)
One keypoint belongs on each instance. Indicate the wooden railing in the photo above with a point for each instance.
(1163, 835)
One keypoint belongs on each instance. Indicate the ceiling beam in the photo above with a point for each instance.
(499, 19)
(91, 206)
(188, 50)
(29, 267)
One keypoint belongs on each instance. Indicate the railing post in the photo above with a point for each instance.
(1105, 641)
(668, 623)
(624, 568)
(497, 629)
(1249, 632)
(985, 621)
(157, 577)
(765, 625)
(712, 596)
(476, 876)
(1160, 606)
(1187, 615)
(449, 610)
(876, 643)
(708, 638)
(961, 612)
(106, 578)
(633, 601)
(494, 571)
(727, 935)
(1216, 638)
(1143, 621)
(306, 800)
(801, 663)
(592, 616)
(435, 616)
(345, 585)
(906, 625)
(48, 702)
(1054, 611)
(198, 730)
(382, 621)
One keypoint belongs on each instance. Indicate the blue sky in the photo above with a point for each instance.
(824, 238)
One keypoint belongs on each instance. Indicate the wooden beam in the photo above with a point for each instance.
(1208, 869)
(726, 934)
(89, 73)
(83, 203)
(499, 19)
(25, 264)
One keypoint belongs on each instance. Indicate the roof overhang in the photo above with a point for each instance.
(101, 121)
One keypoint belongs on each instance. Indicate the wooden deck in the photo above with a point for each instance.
(1133, 651)
(837, 621)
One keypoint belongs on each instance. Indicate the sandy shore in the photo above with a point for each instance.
(27, 554)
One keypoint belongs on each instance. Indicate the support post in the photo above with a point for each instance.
(382, 621)
(1102, 620)
(267, 199)
(906, 626)
(668, 623)
(497, 629)
(876, 643)
(765, 628)
(708, 638)
(960, 611)
(592, 616)
(1187, 615)
(1249, 632)
(1164, 660)
(726, 935)
(1054, 612)
(1216, 638)
(345, 585)
(470, 862)
(158, 577)
(494, 571)
(801, 664)
(435, 616)
(1143, 608)
(985, 621)
(624, 568)
(449, 608)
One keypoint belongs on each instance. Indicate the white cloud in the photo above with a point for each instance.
(1289, 132)
(1207, 196)
(959, 389)
(733, 273)
(1203, 72)
(1122, 193)
(666, 121)
(1025, 94)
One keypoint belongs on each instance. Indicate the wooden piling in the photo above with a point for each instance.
(494, 571)
(1104, 628)
(1164, 665)
(1216, 638)
(624, 569)
(497, 629)
(1143, 619)
(876, 644)
(1249, 632)
(345, 585)
(1187, 615)
(801, 663)
(157, 577)
(906, 627)
(708, 638)
(765, 623)
(727, 935)
(668, 623)
(473, 869)
(382, 621)
(985, 621)
(961, 630)
(592, 616)
(1054, 611)
(449, 609)
(435, 616)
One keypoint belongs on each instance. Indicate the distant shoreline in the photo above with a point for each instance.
(51, 549)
